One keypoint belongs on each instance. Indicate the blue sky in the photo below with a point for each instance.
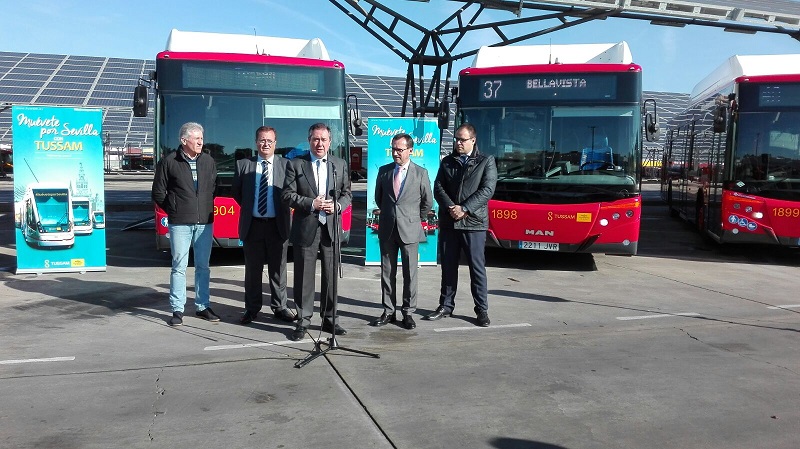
(673, 59)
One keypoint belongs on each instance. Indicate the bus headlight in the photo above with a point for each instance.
(615, 216)
(758, 215)
(604, 222)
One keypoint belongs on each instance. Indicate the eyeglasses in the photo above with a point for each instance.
(398, 150)
(267, 142)
(460, 140)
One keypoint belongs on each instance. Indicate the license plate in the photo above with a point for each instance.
(539, 246)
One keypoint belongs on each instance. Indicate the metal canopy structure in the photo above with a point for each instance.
(438, 47)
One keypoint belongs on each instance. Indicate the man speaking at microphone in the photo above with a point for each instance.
(310, 185)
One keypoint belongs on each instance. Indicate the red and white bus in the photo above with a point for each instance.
(738, 149)
(564, 123)
(232, 84)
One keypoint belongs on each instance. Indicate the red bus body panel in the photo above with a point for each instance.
(611, 227)
(753, 219)
(226, 224)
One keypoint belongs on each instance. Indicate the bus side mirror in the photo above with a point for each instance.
(720, 119)
(354, 122)
(651, 129)
(444, 114)
(140, 101)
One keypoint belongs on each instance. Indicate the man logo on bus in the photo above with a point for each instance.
(164, 222)
(539, 232)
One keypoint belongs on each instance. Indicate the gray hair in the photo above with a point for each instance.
(189, 128)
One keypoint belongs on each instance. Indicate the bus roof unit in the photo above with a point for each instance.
(517, 55)
(750, 65)
(191, 41)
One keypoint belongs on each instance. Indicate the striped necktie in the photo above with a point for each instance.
(263, 189)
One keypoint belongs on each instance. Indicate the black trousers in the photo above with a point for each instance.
(452, 243)
(305, 261)
(264, 246)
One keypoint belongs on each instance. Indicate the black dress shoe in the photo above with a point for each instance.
(384, 320)
(285, 315)
(298, 333)
(248, 317)
(339, 330)
(408, 322)
(437, 314)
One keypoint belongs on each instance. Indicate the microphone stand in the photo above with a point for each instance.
(336, 272)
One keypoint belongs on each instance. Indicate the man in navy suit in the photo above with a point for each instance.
(263, 226)
(317, 186)
(403, 195)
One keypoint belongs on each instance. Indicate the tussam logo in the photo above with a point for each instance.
(539, 232)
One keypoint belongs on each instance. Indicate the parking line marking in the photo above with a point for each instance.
(256, 345)
(49, 359)
(788, 306)
(469, 328)
(662, 315)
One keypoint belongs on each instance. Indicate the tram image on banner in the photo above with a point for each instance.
(46, 216)
(82, 215)
(99, 219)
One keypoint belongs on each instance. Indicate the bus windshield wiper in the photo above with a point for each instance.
(508, 174)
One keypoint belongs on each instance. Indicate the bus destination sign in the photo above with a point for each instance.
(532, 87)
(253, 78)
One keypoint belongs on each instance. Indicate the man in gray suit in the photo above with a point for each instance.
(317, 186)
(263, 226)
(403, 195)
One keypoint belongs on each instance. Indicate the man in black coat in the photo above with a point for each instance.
(184, 186)
(463, 187)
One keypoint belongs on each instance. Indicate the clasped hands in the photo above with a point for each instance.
(457, 212)
(321, 204)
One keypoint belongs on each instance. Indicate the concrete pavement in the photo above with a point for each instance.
(685, 345)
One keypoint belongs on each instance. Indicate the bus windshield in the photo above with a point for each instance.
(560, 154)
(767, 154)
(230, 122)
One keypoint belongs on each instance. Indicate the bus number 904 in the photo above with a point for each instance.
(792, 212)
(504, 214)
(223, 210)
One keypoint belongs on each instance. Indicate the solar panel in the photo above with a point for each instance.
(24, 81)
(10, 90)
(378, 96)
(15, 99)
(59, 100)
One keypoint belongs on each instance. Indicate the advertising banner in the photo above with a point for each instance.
(425, 132)
(59, 206)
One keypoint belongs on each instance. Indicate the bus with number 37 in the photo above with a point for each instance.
(233, 84)
(564, 123)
